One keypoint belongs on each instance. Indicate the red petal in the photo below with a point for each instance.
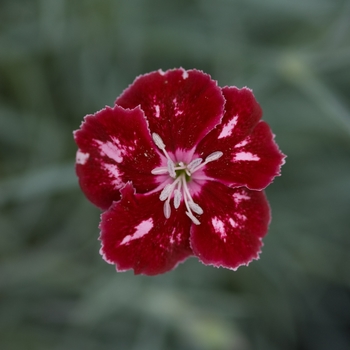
(250, 158)
(136, 235)
(181, 106)
(232, 225)
(115, 147)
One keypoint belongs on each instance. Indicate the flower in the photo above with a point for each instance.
(179, 165)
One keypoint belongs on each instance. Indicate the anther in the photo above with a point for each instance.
(171, 168)
(158, 141)
(214, 156)
(194, 164)
(195, 207)
(159, 171)
(193, 218)
(167, 209)
(166, 192)
(177, 198)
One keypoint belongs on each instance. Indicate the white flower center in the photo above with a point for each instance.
(181, 174)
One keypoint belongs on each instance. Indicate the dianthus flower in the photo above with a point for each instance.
(178, 165)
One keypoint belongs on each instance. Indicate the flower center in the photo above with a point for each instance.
(181, 173)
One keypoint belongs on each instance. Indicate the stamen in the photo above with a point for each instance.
(177, 198)
(186, 191)
(194, 164)
(167, 209)
(193, 218)
(189, 202)
(159, 171)
(158, 141)
(214, 156)
(195, 207)
(181, 166)
(180, 181)
(161, 145)
(167, 190)
(171, 168)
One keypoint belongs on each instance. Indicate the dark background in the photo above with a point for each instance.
(60, 60)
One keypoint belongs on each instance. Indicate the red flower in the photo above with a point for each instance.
(179, 165)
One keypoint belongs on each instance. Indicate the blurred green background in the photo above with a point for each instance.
(60, 60)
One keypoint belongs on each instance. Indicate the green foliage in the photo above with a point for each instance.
(60, 60)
